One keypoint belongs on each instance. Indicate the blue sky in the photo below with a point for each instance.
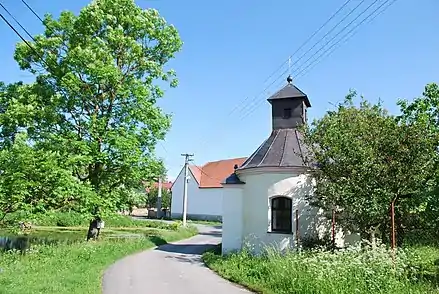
(231, 47)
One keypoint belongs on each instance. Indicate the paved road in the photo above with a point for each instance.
(170, 269)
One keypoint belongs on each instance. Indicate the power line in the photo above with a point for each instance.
(33, 11)
(351, 22)
(297, 50)
(41, 20)
(48, 69)
(301, 72)
(23, 28)
(343, 39)
(31, 47)
(18, 34)
(323, 25)
(250, 110)
(343, 29)
(315, 44)
(331, 30)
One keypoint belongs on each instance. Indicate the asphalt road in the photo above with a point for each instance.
(170, 269)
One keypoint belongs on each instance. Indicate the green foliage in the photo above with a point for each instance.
(49, 218)
(123, 221)
(92, 111)
(36, 180)
(73, 219)
(80, 263)
(128, 199)
(152, 196)
(425, 110)
(367, 159)
(351, 271)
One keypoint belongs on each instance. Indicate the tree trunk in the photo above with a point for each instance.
(94, 171)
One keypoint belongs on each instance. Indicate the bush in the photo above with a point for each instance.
(124, 221)
(346, 271)
(71, 219)
(74, 219)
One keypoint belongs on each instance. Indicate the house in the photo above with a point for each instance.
(204, 190)
(265, 198)
(166, 186)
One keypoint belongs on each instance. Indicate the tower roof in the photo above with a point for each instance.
(282, 149)
(290, 91)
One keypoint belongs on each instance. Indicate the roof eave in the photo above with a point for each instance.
(271, 169)
(305, 99)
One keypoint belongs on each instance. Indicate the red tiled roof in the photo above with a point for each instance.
(213, 173)
(165, 186)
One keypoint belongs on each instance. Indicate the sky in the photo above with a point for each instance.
(232, 47)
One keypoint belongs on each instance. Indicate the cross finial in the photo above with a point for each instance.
(289, 65)
(289, 78)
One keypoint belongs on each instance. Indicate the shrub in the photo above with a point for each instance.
(71, 219)
(74, 219)
(354, 270)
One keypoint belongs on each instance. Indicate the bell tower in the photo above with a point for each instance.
(288, 107)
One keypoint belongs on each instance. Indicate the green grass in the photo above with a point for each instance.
(76, 267)
(71, 219)
(319, 272)
(207, 223)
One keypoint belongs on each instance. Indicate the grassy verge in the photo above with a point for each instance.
(354, 271)
(207, 223)
(72, 219)
(76, 267)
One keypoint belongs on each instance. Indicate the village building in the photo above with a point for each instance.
(204, 190)
(265, 199)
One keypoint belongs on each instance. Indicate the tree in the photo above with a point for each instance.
(152, 197)
(130, 199)
(17, 110)
(35, 181)
(425, 110)
(96, 91)
(365, 160)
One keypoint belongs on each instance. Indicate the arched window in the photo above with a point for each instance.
(281, 215)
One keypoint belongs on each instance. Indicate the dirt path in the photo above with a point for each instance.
(171, 268)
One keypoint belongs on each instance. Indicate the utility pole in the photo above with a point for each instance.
(159, 199)
(186, 167)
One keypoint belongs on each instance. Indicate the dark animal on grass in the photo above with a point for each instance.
(95, 228)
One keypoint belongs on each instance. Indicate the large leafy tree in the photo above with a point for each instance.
(425, 110)
(96, 91)
(365, 160)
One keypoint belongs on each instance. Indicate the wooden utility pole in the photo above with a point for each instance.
(186, 167)
(393, 237)
(392, 219)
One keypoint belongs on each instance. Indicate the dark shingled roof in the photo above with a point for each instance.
(290, 92)
(282, 149)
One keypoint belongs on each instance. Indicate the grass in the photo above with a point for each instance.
(76, 266)
(72, 219)
(320, 272)
(205, 222)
